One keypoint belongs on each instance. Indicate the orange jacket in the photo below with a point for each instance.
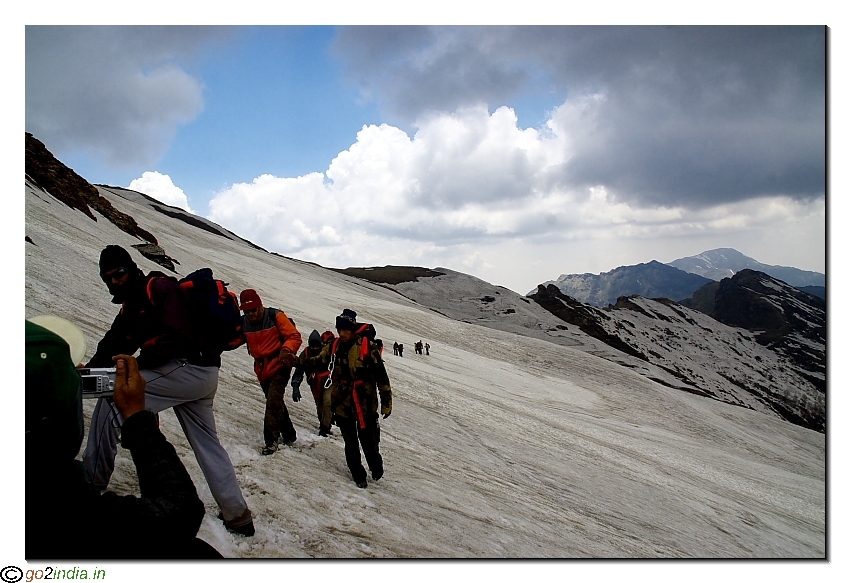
(267, 337)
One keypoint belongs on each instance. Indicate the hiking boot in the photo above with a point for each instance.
(362, 484)
(246, 529)
(269, 449)
(376, 475)
(324, 432)
(291, 441)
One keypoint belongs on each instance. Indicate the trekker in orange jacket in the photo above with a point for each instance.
(273, 341)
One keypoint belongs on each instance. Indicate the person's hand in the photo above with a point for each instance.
(296, 393)
(386, 404)
(129, 386)
(288, 358)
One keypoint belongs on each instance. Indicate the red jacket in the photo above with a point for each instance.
(267, 337)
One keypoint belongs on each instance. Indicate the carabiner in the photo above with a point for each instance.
(331, 365)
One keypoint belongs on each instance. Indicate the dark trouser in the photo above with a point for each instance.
(323, 406)
(369, 438)
(276, 422)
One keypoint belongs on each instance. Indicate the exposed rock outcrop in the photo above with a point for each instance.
(157, 254)
(52, 176)
(390, 274)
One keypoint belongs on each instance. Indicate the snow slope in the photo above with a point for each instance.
(500, 445)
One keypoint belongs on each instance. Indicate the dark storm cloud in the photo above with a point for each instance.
(118, 92)
(691, 116)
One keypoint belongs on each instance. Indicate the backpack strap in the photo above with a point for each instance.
(361, 418)
(149, 288)
(364, 342)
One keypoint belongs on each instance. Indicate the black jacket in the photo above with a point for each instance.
(66, 518)
(162, 328)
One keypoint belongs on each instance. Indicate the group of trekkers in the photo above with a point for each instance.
(398, 349)
(345, 373)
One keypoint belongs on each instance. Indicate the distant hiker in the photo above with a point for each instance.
(427, 349)
(358, 382)
(155, 317)
(316, 381)
(418, 347)
(401, 350)
(273, 341)
(395, 348)
(65, 517)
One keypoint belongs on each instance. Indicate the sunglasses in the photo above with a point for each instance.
(117, 274)
(251, 310)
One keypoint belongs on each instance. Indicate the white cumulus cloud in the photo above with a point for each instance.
(160, 187)
(466, 191)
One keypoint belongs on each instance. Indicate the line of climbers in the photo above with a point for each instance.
(398, 349)
(177, 367)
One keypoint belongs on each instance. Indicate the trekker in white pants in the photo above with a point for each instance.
(155, 319)
(190, 390)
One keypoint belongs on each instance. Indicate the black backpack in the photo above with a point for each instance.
(214, 311)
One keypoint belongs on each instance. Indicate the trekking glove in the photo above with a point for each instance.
(296, 394)
(288, 358)
(386, 404)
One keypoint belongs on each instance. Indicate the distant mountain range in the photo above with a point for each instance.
(650, 280)
(679, 279)
(719, 263)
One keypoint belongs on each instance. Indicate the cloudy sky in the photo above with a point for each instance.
(514, 154)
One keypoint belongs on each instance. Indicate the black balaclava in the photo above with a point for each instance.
(112, 257)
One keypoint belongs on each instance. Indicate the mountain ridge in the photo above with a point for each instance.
(786, 320)
(652, 279)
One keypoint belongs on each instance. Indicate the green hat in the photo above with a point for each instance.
(54, 406)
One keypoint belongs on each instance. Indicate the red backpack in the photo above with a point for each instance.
(215, 316)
